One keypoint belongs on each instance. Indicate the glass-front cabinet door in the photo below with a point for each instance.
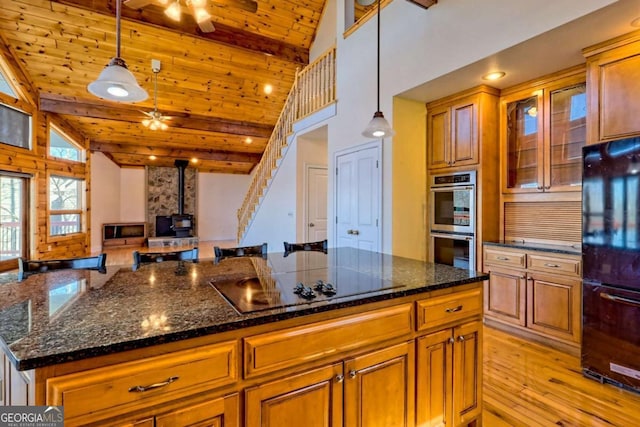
(568, 133)
(544, 131)
(524, 139)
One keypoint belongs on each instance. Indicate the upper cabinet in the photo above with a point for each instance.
(613, 79)
(542, 132)
(456, 128)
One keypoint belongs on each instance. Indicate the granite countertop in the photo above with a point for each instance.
(519, 244)
(68, 315)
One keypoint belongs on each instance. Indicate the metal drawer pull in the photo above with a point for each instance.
(339, 378)
(352, 374)
(454, 309)
(143, 388)
(461, 338)
(623, 300)
(547, 264)
(502, 258)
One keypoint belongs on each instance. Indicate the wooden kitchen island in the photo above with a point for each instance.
(399, 344)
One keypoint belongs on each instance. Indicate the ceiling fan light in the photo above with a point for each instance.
(146, 122)
(378, 127)
(201, 15)
(116, 83)
(174, 11)
(198, 3)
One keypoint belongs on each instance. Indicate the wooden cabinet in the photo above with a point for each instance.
(375, 388)
(543, 130)
(449, 363)
(455, 128)
(124, 234)
(613, 85)
(541, 295)
(114, 391)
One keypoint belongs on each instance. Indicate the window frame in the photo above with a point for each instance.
(81, 211)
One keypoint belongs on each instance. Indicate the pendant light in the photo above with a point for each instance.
(116, 83)
(378, 127)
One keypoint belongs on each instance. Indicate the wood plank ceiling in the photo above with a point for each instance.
(210, 84)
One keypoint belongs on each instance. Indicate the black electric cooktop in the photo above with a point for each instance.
(295, 288)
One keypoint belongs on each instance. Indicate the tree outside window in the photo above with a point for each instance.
(65, 205)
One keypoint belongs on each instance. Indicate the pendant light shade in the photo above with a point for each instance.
(378, 127)
(115, 82)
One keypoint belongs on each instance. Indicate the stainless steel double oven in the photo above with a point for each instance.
(452, 219)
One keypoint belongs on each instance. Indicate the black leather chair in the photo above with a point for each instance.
(319, 246)
(28, 267)
(241, 251)
(149, 257)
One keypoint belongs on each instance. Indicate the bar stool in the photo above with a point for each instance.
(28, 267)
(149, 257)
(241, 251)
(319, 246)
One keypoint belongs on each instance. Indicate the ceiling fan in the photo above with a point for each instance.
(198, 8)
(155, 120)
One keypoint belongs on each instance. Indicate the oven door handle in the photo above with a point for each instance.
(623, 300)
(453, 188)
(452, 236)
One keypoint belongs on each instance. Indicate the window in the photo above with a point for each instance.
(65, 205)
(62, 147)
(5, 87)
(15, 124)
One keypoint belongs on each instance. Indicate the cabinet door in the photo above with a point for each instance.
(567, 135)
(467, 373)
(310, 399)
(434, 379)
(438, 137)
(379, 388)
(221, 412)
(505, 295)
(553, 305)
(464, 133)
(522, 142)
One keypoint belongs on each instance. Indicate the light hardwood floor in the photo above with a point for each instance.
(525, 383)
(528, 384)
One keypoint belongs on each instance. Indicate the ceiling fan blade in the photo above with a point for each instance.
(206, 26)
(248, 5)
(137, 4)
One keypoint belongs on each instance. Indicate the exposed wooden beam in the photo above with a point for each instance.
(129, 113)
(201, 154)
(154, 15)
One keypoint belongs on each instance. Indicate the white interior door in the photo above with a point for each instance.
(316, 212)
(358, 209)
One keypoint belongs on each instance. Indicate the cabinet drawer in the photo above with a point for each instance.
(121, 388)
(511, 259)
(550, 264)
(294, 346)
(448, 308)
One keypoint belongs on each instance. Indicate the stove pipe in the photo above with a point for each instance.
(181, 165)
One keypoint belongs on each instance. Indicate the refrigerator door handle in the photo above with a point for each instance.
(623, 300)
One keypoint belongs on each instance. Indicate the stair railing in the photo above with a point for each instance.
(313, 89)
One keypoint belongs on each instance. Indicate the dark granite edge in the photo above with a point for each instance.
(541, 247)
(276, 315)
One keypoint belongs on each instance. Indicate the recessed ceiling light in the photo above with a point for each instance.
(636, 22)
(248, 140)
(268, 89)
(495, 75)
(152, 157)
(194, 160)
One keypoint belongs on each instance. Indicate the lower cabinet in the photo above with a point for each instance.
(449, 376)
(375, 388)
(535, 291)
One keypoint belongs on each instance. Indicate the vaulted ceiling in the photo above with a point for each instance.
(210, 84)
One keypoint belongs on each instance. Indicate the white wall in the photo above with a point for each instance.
(105, 196)
(418, 45)
(219, 198)
(133, 195)
(275, 220)
(325, 36)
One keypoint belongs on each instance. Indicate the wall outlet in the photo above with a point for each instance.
(49, 248)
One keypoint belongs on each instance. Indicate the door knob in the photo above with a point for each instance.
(311, 224)
(353, 232)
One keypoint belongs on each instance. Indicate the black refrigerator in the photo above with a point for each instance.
(611, 262)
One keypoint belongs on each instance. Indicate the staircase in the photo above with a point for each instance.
(312, 90)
